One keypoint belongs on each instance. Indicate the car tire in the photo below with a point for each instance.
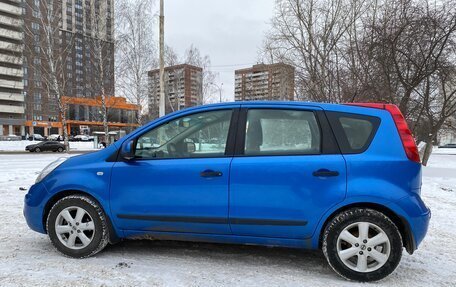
(362, 244)
(60, 149)
(37, 149)
(77, 226)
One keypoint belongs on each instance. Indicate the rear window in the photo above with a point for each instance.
(353, 132)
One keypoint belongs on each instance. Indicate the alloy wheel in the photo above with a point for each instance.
(363, 247)
(74, 227)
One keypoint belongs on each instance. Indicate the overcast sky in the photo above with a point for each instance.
(229, 31)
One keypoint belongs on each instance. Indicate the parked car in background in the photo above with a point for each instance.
(450, 145)
(10, 137)
(345, 179)
(80, 138)
(55, 137)
(36, 137)
(46, 146)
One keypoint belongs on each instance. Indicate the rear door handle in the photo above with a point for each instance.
(325, 173)
(210, 173)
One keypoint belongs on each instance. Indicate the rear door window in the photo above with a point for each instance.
(353, 132)
(281, 132)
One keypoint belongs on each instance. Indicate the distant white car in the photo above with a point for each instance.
(55, 137)
(12, 137)
(82, 138)
(36, 137)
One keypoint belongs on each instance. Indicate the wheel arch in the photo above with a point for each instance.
(113, 237)
(402, 224)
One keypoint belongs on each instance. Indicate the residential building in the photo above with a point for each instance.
(11, 85)
(81, 29)
(183, 88)
(274, 82)
(85, 115)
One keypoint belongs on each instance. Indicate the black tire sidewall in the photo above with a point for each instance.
(60, 149)
(37, 149)
(98, 236)
(340, 222)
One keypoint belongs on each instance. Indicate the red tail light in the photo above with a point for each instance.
(404, 132)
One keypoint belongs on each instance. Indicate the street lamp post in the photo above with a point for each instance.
(161, 102)
(220, 90)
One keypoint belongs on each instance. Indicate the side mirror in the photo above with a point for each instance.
(128, 150)
(191, 147)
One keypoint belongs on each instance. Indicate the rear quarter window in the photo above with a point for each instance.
(353, 132)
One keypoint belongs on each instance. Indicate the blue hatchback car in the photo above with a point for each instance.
(345, 179)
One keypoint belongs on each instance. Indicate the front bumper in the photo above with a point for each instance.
(34, 205)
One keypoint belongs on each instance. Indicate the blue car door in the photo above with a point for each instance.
(178, 179)
(287, 171)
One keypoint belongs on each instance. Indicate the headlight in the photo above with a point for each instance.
(49, 168)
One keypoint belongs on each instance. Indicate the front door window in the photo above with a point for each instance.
(193, 136)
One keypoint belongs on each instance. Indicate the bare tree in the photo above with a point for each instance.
(406, 55)
(382, 50)
(193, 57)
(171, 57)
(410, 40)
(437, 97)
(101, 54)
(135, 51)
(309, 34)
(53, 55)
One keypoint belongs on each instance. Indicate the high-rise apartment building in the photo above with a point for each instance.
(274, 82)
(11, 45)
(183, 88)
(81, 29)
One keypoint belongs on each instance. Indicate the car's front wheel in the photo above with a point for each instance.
(362, 244)
(37, 149)
(77, 226)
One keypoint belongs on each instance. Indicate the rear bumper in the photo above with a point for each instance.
(416, 220)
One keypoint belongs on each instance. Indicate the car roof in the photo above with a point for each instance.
(269, 103)
(325, 106)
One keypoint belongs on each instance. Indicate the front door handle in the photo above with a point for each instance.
(210, 173)
(325, 173)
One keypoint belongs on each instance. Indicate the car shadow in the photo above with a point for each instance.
(218, 252)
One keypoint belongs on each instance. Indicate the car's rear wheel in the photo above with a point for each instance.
(77, 226)
(60, 149)
(362, 244)
(37, 149)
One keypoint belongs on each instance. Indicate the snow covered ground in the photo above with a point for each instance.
(20, 145)
(28, 259)
(437, 150)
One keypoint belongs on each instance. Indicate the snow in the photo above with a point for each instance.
(27, 258)
(20, 145)
(437, 150)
